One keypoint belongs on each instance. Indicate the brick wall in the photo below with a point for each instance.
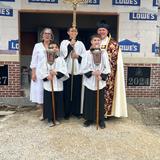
(145, 91)
(13, 89)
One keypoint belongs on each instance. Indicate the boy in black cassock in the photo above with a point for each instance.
(53, 68)
(95, 66)
(72, 50)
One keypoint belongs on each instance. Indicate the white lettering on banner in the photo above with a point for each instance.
(142, 16)
(6, 12)
(13, 45)
(126, 2)
(7, 0)
(43, 1)
(129, 46)
(155, 3)
(155, 48)
(93, 1)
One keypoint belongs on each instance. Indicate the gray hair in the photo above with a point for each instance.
(42, 32)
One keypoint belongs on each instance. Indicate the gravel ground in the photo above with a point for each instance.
(24, 137)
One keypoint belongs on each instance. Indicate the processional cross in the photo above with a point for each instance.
(74, 25)
(74, 4)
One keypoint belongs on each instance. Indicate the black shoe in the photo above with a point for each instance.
(66, 117)
(79, 116)
(87, 123)
(102, 125)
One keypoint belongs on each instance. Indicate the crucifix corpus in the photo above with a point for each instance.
(74, 4)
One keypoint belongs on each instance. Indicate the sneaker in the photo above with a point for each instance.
(41, 118)
(57, 122)
(87, 123)
(50, 124)
(102, 125)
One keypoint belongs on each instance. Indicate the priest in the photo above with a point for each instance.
(115, 94)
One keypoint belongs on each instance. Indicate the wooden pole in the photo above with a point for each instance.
(53, 104)
(72, 74)
(97, 106)
(74, 26)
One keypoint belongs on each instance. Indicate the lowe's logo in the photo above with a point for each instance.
(126, 2)
(6, 12)
(13, 45)
(93, 2)
(142, 16)
(155, 48)
(155, 2)
(7, 0)
(129, 46)
(43, 1)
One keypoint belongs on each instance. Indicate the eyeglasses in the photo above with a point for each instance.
(47, 33)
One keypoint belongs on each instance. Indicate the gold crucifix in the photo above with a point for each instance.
(74, 4)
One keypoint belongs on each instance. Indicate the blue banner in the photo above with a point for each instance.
(43, 1)
(6, 12)
(13, 45)
(126, 3)
(155, 48)
(91, 2)
(155, 3)
(7, 0)
(142, 16)
(129, 46)
(94, 2)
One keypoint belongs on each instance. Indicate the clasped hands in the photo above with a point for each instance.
(97, 73)
(52, 74)
(74, 55)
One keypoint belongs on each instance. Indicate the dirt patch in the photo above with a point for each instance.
(150, 113)
(23, 137)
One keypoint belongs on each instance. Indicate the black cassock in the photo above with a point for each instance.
(89, 110)
(47, 106)
(72, 105)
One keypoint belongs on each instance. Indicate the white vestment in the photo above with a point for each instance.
(60, 66)
(79, 49)
(119, 104)
(88, 65)
(36, 88)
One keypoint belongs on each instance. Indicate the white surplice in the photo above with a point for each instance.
(88, 65)
(79, 49)
(60, 66)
